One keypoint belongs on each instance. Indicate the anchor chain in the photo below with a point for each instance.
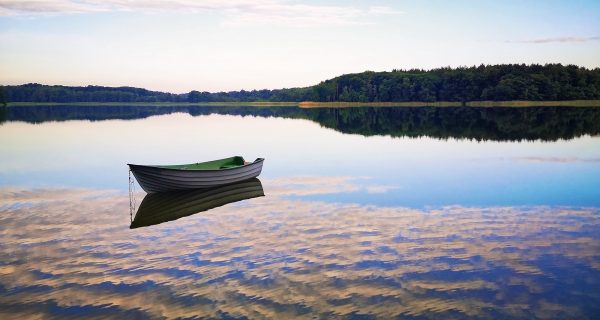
(132, 200)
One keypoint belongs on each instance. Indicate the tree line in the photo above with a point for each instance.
(478, 83)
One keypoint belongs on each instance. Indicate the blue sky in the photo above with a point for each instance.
(218, 45)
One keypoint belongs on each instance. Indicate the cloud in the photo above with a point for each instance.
(294, 14)
(236, 12)
(557, 159)
(310, 185)
(379, 189)
(381, 10)
(314, 185)
(11, 7)
(561, 40)
(247, 260)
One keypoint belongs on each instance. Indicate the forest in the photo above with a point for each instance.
(550, 82)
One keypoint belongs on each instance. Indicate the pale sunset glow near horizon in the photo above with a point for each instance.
(178, 46)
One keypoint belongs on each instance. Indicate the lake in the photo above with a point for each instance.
(409, 213)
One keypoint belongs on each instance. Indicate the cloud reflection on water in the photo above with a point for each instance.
(67, 253)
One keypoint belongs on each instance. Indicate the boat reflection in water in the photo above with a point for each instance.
(167, 206)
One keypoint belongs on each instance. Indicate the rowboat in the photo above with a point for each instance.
(164, 178)
(167, 206)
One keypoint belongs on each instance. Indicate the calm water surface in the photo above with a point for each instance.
(367, 213)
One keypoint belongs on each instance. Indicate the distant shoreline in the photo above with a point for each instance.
(478, 104)
(311, 104)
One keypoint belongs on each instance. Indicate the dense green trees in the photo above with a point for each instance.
(3, 98)
(41, 93)
(499, 83)
(495, 82)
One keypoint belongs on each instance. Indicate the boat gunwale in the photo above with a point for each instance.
(159, 167)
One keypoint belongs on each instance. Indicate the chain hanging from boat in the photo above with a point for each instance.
(132, 200)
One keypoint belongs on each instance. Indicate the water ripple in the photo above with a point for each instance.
(69, 253)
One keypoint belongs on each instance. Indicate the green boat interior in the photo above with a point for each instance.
(226, 163)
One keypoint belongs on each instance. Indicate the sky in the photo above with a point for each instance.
(223, 45)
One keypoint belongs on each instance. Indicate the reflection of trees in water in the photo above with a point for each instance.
(2, 114)
(466, 122)
(540, 123)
